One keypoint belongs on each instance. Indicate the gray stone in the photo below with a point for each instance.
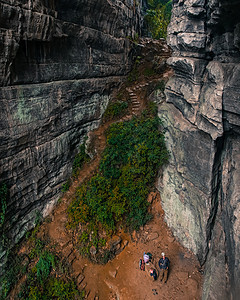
(202, 121)
(59, 62)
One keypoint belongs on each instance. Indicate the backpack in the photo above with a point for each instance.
(147, 257)
(141, 265)
(150, 256)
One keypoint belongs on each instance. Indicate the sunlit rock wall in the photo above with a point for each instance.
(59, 61)
(200, 187)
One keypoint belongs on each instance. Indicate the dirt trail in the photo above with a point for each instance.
(121, 277)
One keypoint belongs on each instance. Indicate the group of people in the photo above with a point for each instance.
(163, 264)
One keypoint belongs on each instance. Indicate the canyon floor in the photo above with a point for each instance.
(121, 277)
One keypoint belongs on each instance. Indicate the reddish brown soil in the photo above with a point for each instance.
(121, 278)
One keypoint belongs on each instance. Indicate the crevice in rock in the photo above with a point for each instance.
(216, 188)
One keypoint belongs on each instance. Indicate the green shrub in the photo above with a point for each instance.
(3, 203)
(161, 86)
(42, 283)
(79, 160)
(158, 17)
(148, 72)
(117, 194)
(133, 75)
(115, 110)
(66, 185)
(44, 266)
(37, 248)
(62, 290)
(15, 269)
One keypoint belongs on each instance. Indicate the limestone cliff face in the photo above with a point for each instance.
(58, 63)
(200, 187)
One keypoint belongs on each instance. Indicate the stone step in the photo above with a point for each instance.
(87, 292)
(71, 257)
(80, 278)
(83, 285)
(67, 250)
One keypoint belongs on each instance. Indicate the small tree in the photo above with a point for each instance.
(158, 18)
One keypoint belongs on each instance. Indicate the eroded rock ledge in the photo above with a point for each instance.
(59, 61)
(200, 190)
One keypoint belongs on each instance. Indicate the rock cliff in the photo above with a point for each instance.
(59, 61)
(200, 187)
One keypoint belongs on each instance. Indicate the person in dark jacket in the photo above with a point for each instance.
(153, 273)
(164, 267)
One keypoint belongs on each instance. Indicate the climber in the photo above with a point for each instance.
(164, 267)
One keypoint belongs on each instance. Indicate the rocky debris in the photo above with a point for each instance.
(151, 197)
(152, 236)
(116, 294)
(113, 273)
(114, 241)
(202, 122)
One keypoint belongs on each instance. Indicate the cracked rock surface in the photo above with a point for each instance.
(59, 61)
(199, 189)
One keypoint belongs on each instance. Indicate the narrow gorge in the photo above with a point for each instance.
(62, 62)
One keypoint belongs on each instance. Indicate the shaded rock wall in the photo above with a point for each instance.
(200, 190)
(59, 61)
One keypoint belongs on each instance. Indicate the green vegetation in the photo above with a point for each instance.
(15, 270)
(42, 269)
(133, 75)
(115, 110)
(42, 284)
(160, 86)
(134, 39)
(117, 194)
(148, 72)
(158, 17)
(79, 160)
(66, 185)
(3, 203)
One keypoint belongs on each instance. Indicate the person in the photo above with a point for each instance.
(153, 273)
(164, 267)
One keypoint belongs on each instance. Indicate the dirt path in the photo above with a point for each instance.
(121, 278)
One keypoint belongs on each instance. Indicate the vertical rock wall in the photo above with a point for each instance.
(59, 61)
(200, 187)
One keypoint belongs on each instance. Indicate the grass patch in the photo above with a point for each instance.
(117, 194)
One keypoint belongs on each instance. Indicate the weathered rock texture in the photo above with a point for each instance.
(200, 187)
(58, 63)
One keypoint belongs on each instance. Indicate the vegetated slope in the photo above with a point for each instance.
(53, 251)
